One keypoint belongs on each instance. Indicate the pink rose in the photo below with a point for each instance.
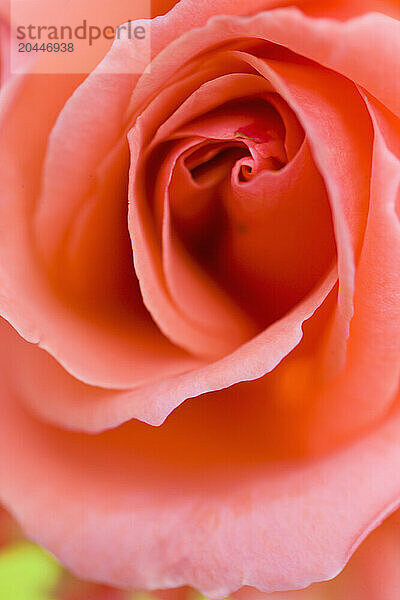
(202, 263)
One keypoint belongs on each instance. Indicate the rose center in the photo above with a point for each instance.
(246, 213)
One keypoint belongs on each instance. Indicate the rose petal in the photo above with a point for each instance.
(371, 574)
(56, 396)
(134, 522)
(375, 327)
(184, 15)
(307, 88)
(111, 354)
(281, 237)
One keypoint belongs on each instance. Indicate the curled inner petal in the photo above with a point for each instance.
(237, 208)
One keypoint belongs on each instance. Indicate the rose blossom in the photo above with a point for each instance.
(202, 265)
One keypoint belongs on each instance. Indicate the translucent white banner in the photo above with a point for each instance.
(56, 36)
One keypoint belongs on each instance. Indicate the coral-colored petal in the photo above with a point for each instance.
(340, 46)
(185, 15)
(115, 354)
(343, 159)
(66, 401)
(374, 343)
(371, 574)
(113, 515)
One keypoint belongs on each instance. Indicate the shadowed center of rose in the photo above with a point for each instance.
(246, 207)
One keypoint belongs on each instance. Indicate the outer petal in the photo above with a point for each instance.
(371, 574)
(374, 343)
(60, 398)
(97, 352)
(341, 46)
(342, 153)
(115, 512)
